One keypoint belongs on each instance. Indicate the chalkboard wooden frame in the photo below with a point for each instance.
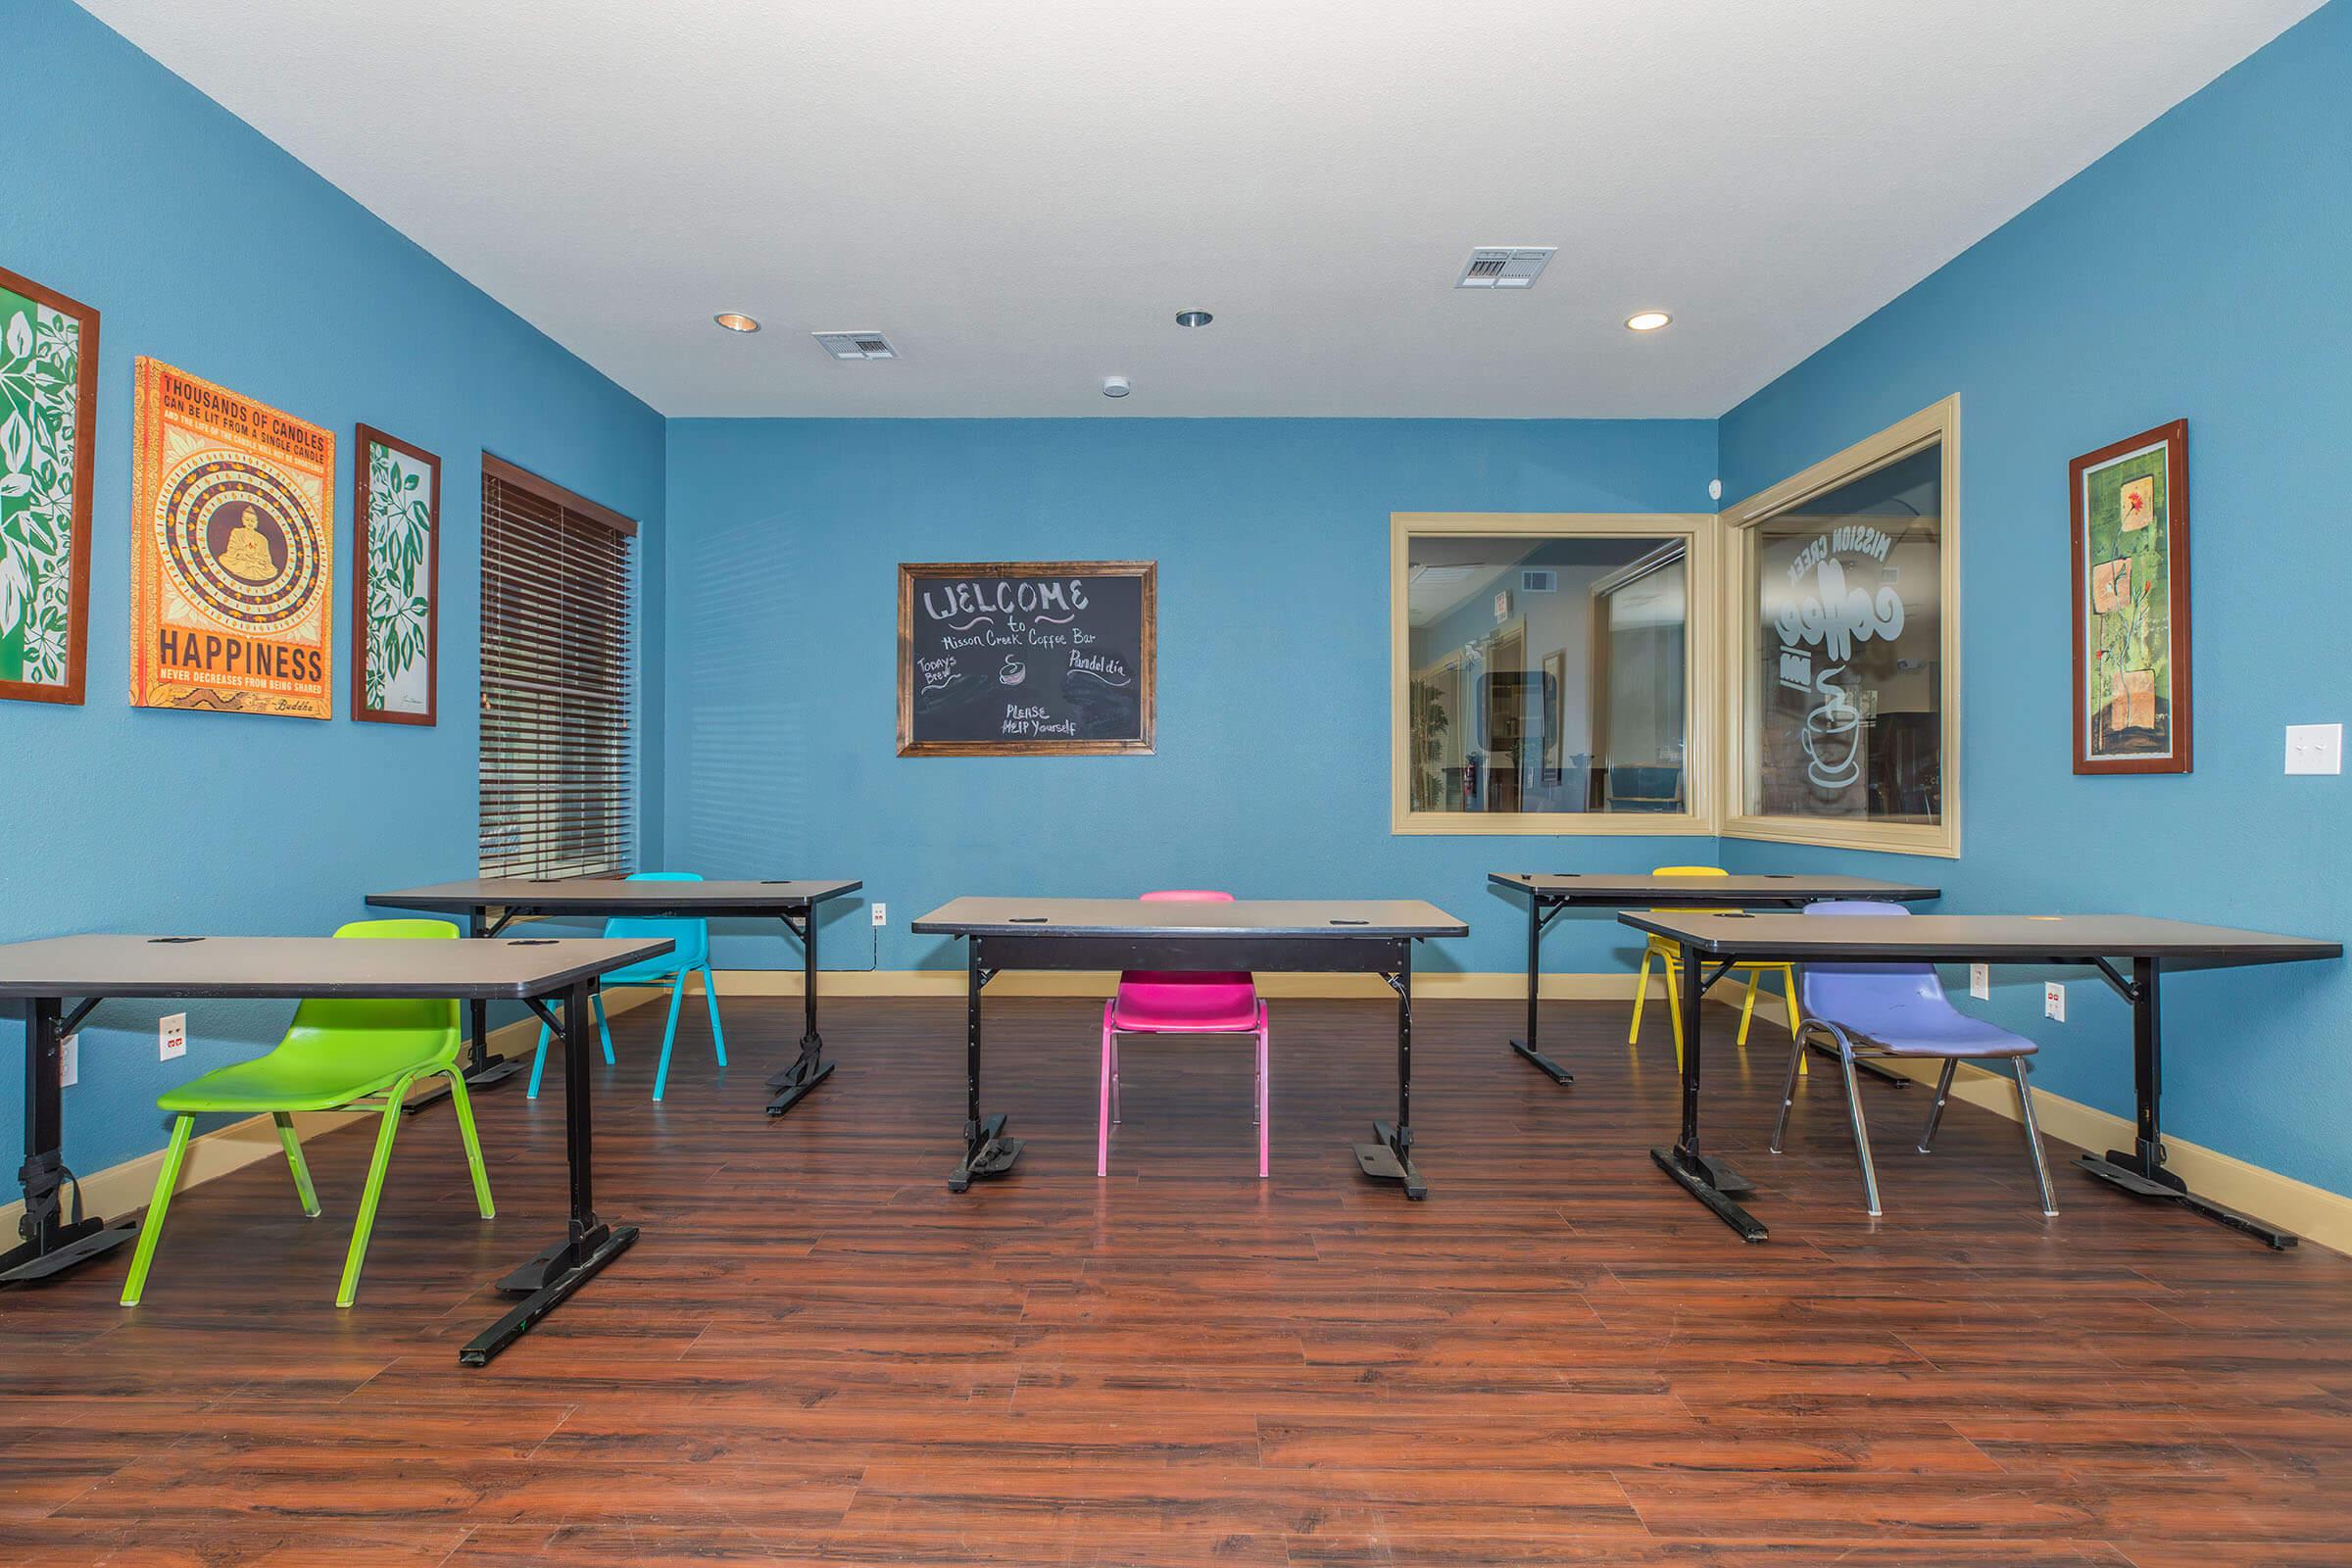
(1146, 658)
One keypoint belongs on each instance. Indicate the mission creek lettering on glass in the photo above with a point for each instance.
(1025, 658)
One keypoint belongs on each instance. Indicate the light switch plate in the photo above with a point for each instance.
(1979, 981)
(2053, 1000)
(2315, 747)
(881, 914)
(68, 1060)
(171, 1036)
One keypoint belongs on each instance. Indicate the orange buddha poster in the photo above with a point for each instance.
(232, 558)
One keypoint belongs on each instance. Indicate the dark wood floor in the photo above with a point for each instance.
(818, 1355)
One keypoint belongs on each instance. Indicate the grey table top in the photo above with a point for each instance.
(1624, 888)
(309, 966)
(615, 896)
(1127, 917)
(2013, 937)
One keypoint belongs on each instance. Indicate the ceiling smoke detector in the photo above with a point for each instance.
(1504, 267)
(856, 345)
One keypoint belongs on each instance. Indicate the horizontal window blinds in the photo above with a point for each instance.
(557, 770)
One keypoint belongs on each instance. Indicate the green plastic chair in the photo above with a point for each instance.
(341, 1053)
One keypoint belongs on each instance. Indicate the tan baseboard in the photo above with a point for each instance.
(126, 1188)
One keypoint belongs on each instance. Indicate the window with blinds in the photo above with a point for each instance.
(556, 765)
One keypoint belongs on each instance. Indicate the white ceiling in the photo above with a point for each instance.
(1023, 193)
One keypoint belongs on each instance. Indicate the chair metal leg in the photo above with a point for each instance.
(1114, 1078)
(295, 1163)
(604, 1029)
(1674, 1007)
(1796, 1014)
(538, 1064)
(1265, 1108)
(151, 1229)
(1853, 1112)
(669, 1034)
(718, 1040)
(1747, 1008)
(1633, 1036)
(463, 1105)
(1944, 1091)
(347, 1291)
(2025, 1106)
(1103, 1104)
(1796, 1057)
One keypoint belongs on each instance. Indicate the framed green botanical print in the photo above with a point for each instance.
(395, 580)
(2131, 645)
(48, 409)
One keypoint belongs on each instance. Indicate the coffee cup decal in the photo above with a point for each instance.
(1013, 672)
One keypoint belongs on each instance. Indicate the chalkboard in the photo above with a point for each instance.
(1026, 658)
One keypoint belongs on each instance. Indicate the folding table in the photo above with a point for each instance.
(1549, 893)
(2100, 942)
(1324, 937)
(792, 901)
(95, 968)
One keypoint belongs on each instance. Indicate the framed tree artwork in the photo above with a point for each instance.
(2132, 711)
(48, 407)
(395, 604)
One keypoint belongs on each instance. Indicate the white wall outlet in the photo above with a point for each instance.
(2315, 747)
(2053, 1000)
(881, 914)
(1979, 981)
(68, 1060)
(171, 1036)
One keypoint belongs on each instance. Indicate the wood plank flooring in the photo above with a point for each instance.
(817, 1354)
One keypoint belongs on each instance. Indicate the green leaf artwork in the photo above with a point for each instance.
(400, 531)
(40, 419)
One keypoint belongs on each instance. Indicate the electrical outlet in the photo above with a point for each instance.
(881, 914)
(2053, 1000)
(171, 1036)
(1979, 981)
(68, 1060)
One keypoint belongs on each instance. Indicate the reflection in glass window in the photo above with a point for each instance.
(1548, 675)
(1848, 679)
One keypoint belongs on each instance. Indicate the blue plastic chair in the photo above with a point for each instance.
(690, 950)
(1899, 1009)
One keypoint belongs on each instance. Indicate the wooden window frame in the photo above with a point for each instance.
(574, 511)
(1936, 424)
(1698, 533)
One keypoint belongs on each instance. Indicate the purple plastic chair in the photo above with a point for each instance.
(1899, 1009)
(1152, 1003)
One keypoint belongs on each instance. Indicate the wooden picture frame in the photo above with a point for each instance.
(31, 348)
(1051, 575)
(2131, 645)
(375, 700)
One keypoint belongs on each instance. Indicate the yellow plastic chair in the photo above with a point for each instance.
(1670, 954)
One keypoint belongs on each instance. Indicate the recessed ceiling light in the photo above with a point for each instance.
(1116, 386)
(736, 321)
(1647, 320)
(1193, 318)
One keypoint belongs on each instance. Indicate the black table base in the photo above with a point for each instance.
(65, 1246)
(987, 1154)
(51, 1243)
(810, 1068)
(1389, 1157)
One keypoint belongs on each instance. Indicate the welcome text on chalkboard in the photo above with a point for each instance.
(1026, 658)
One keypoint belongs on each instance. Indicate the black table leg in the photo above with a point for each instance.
(1709, 1180)
(810, 1068)
(1389, 1157)
(987, 1152)
(1537, 921)
(52, 1244)
(482, 1070)
(589, 1244)
(2142, 1171)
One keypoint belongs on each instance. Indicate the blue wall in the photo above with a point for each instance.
(201, 243)
(1272, 770)
(2198, 272)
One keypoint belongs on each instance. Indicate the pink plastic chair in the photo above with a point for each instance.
(1152, 1002)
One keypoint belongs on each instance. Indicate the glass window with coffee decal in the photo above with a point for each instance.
(1545, 676)
(1846, 677)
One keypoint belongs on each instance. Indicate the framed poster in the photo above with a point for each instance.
(1026, 658)
(2132, 708)
(48, 409)
(395, 580)
(232, 551)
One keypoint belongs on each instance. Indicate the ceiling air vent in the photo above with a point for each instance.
(1504, 267)
(1532, 581)
(856, 345)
